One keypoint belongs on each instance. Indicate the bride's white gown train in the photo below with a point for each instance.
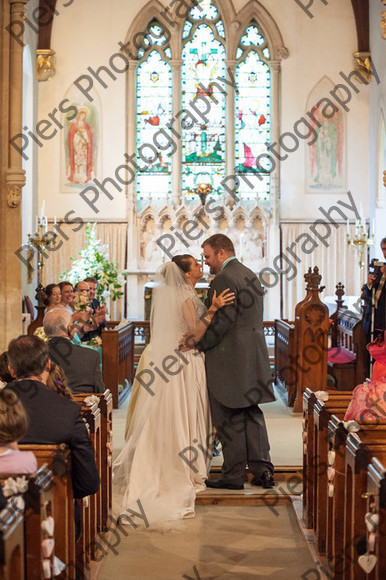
(168, 449)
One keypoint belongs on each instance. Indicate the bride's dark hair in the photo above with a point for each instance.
(183, 261)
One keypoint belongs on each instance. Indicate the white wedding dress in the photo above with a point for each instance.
(169, 437)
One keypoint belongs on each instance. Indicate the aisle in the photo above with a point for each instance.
(284, 431)
(233, 543)
(223, 541)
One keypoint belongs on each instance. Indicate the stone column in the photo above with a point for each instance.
(12, 173)
(272, 300)
(177, 157)
(15, 175)
(230, 125)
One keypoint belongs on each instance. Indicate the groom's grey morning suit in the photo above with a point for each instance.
(238, 374)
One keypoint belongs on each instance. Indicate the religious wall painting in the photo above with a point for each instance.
(326, 157)
(80, 150)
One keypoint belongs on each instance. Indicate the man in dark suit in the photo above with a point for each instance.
(81, 365)
(376, 283)
(99, 312)
(52, 419)
(237, 367)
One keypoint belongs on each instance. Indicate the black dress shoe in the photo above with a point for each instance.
(266, 480)
(220, 484)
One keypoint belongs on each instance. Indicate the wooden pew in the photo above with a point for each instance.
(309, 401)
(105, 406)
(285, 352)
(334, 316)
(12, 543)
(117, 359)
(39, 505)
(337, 435)
(376, 504)
(347, 355)
(335, 503)
(310, 460)
(106, 409)
(141, 338)
(311, 338)
(358, 456)
(337, 404)
(301, 346)
(58, 458)
(92, 505)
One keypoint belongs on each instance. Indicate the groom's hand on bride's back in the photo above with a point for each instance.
(187, 342)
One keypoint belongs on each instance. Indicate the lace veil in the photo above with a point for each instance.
(166, 319)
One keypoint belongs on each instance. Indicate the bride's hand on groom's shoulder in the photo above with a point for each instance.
(187, 342)
(224, 299)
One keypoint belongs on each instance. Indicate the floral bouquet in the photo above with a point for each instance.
(81, 301)
(39, 332)
(96, 341)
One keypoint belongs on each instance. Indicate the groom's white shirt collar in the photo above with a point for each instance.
(228, 260)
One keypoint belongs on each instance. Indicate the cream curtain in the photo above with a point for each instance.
(112, 234)
(337, 263)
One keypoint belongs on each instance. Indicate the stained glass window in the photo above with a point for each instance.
(203, 101)
(154, 111)
(201, 120)
(253, 115)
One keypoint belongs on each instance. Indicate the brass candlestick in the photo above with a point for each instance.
(41, 240)
(361, 241)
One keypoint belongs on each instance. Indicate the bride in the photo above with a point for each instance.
(169, 437)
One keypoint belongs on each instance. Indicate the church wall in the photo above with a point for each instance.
(86, 35)
(29, 206)
(318, 47)
(321, 46)
(377, 148)
(12, 172)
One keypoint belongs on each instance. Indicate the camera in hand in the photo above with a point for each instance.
(375, 267)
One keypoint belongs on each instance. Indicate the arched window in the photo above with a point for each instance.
(194, 127)
(253, 113)
(203, 62)
(154, 111)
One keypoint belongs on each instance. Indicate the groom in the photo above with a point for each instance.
(237, 368)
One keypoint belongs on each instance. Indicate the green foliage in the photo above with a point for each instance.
(95, 261)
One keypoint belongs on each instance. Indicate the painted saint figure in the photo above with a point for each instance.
(80, 148)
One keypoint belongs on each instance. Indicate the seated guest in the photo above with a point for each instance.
(99, 311)
(13, 427)
(368, 401)
(81, 366)
(5, 376)
(57, 382)
(67, 296)
(79, 319)
(51, 419)
(53, 297)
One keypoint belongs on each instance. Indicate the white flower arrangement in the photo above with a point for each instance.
(94, 260)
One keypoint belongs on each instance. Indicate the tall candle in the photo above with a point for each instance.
(43, 208)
